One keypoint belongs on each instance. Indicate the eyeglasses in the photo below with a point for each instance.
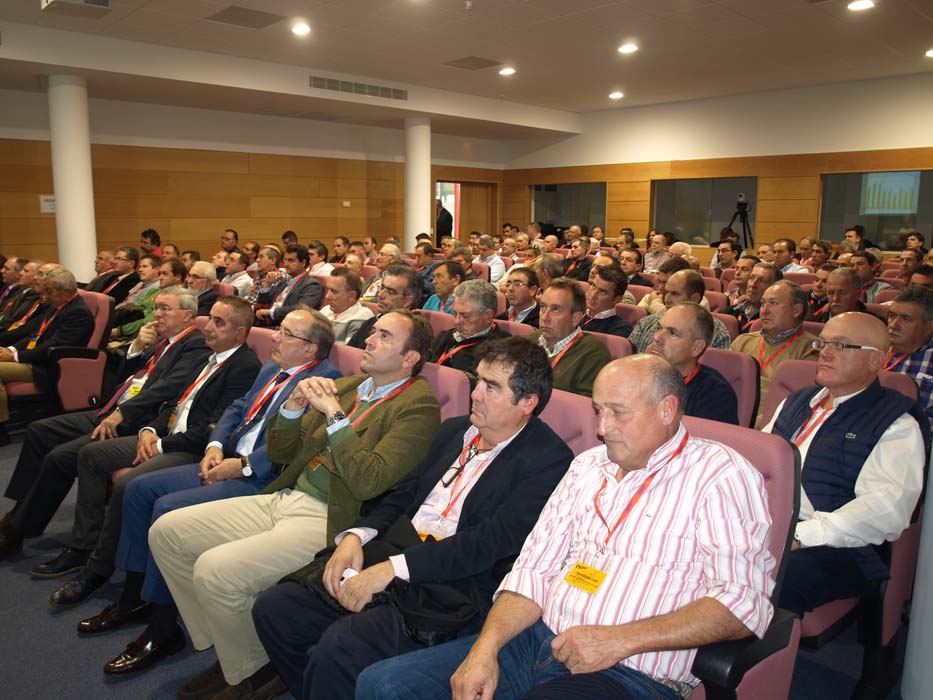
(165, 308)
(122, 259)
(518, 284)
(837, 346)
(196, 277)
(287, 333)
(391, 292)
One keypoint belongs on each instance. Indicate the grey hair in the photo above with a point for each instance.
(479, 292)
(187, 299)
(62, 279)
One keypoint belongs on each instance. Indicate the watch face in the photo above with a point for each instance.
(247, 471)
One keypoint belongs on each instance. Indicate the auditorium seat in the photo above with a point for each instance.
(368, 271)
(440, 321)
(718, 301)
(753, 669)
(480, 271)
(630, 312)
(260, 340)
(638, 291)
(226, 290)
(502, 304)
(886, 295)
(895, 282)
(514, 327)
(451, 387)
(708, 272)
(727, 277)
(618, 346)
(883, 609)
(571, 416)
(712, 284)
(346, 358)
(743, 375)
(730, 322)
(800, 277)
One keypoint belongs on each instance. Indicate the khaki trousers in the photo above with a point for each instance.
(11, 372)
(218, 557)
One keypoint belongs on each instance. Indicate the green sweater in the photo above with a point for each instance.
(576, 372)
(146, 303)
(356, 464)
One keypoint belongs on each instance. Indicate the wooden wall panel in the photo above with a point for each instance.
(788, 210)
(788, 188)
(638, 191)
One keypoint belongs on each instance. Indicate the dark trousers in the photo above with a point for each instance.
(97, 523)
(317, 651)
(46, 467)
(819, 575)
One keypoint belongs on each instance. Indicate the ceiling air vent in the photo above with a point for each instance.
(473, 63)
(243, 17)
(87, 9)
(348, 86)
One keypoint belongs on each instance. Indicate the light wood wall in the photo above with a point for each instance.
(788, 186)
(191, 196)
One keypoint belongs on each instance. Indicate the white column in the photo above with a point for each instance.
(419, 195)
(918, 671)
(71, 174)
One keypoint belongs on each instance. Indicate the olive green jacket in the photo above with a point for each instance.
(364, 462)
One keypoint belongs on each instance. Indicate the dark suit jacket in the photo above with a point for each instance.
(497, 514)
(580, 271)
(611, 326)
(465, 360)
(305, 291)
(427, 279)
(99, 284)
(172, 373)
(72, 325)
(358, 340)
(444, 225)
(641, 281)
(235, 415)
(531, 319)
(123, 287)
(222, 388)
(206, 300)
(11, 304)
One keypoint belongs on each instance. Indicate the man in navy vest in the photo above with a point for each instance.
(863, 449)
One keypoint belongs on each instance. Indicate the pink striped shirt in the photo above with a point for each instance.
(700, 530)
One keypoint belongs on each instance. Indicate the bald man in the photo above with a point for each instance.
(863, 449)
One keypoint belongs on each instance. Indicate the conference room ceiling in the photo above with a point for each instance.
(564, 51)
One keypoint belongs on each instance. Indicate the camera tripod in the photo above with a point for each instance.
(741, 213)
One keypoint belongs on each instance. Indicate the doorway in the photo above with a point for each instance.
(473, 205)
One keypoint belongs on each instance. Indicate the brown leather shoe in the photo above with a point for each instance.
(205, 686)
(143, 653)
(249, 689)
(111, 618)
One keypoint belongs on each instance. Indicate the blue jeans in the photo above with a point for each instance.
(151, 495)
(526, 670)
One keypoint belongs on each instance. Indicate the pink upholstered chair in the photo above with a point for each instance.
(440, 321)
(718, 301)
(743, 374)
(571, 416)
(800, 277)
(886, 295)
(514, 327)
(730, 322)
(630, 312)
(451, 387)
(346, 358)
(708, 272)
(618, 346)
(711, 283)
(481, 271)
(727, 277)
(881, 611)
(750, 668)
(260, 340)
(226, 290)
(501, 303)
(638, 291)
(81, 369)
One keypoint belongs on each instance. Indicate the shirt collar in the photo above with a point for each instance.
(459, 338)
(560, 344)
(364, 389)
(782, 336)
(222, 356)
(605, 314)
(658, 459)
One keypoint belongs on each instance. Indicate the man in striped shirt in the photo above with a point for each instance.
(652, 545)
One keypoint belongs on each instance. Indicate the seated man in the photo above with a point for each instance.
(447, 275)
(67, 321)
(342, 303)
(653, 302)
(177, 435)
(486, 253)
(521, 293)
(201, 279)
(23, 318)
(599, 605)
(683, 335)
(910, 331)
(159, 365)
(235, 463)
(136, 311)
(298, 288)
(784, 250)
(104, 272)
(684, 285)
(475, 304)
(782, 336)
(576, 357)
(508, 462)
(816, 299)
(399, 288)
(424, 266)
(607, 287)
(576, 264)
(361, 436)
(864, 263)
(657, 253)
(863, 453)
(21, 295)
(630, 260)
(124, 264)
(237, 275)
(388, 256)
(747, 308)
(743, 270)
(843, 287)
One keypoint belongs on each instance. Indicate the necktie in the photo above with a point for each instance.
(142, 372)
(260, 415)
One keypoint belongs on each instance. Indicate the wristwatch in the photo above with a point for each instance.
(336, 417)
(247, 467)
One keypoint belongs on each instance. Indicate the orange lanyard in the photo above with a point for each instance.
(463, 461)
(557, 358)
(638, 494)
(689, 377)
(888, 365)
(453, 351)
(513, 314)
(46, 322)
(810, 425)
(392, 394)
(157, 355)
(761, 349)
(25, 317)
(570, 267)
(198, 382)
(289, 288)
(266, 394)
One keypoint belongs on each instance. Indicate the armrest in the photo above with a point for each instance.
(76, 352)
(724, 664)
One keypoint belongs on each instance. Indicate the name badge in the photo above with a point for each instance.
(31, 345)
(134, 390)
(585, 577)
(171, 419)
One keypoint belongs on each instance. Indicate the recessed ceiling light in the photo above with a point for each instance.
(628, 48)
(301, 29)
(616, 95)
(508, 70)
(859, 5)
(930, 53)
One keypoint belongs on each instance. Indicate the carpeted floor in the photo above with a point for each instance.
(41, 655)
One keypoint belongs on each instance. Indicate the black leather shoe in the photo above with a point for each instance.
(205, 686)
(142, 653)
(111, 618)
(78, 589)
(68, 561)
(11, 541)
